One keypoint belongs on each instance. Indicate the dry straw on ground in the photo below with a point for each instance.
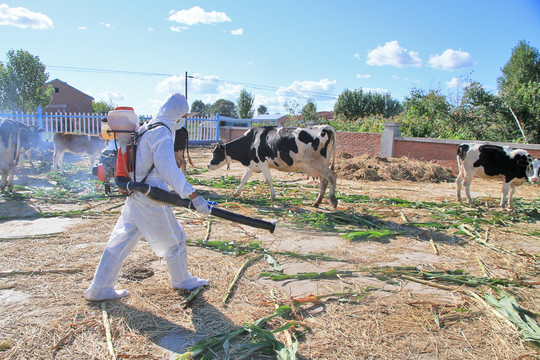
(45, 316)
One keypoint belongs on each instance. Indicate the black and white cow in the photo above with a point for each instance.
(291, 149)
(492, 161)
(181, 139)
(15, 139)
(76, 144)
(10, 138)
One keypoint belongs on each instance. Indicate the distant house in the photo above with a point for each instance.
(328, 115)
(67, 99)
(275, 119)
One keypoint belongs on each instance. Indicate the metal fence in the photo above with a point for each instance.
(201, 131)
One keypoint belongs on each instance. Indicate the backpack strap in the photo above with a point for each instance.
(134, 149)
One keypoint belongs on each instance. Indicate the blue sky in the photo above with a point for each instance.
(136, 53)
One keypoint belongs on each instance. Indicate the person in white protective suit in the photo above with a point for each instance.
(142, 216)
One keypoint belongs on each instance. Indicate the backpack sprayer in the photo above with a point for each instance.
(122, 123)
(106, 169)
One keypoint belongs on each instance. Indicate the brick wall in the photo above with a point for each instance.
(443, 153)
(67, 99)
(358, 144)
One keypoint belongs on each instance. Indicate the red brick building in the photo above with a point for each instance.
(67, 99)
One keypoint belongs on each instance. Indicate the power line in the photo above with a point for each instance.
(105, 71)
(247, 85)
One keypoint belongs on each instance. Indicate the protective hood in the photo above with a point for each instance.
(172, 111)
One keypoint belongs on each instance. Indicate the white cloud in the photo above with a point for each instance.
(272, 104)
(112, 97)
(308, 89)
(197, 15)
(24, 18)
(151, 29)
(357, 56)
(455, 83)
(362, 76)
(172, 84)
(210, 88)
(237, 32)
(205, 88)
(82, 28)
(105, 24)
(451, 60)
(393, 54)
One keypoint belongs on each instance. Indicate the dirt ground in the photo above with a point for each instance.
(48, 261)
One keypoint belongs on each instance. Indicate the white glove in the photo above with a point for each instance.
(201, 205)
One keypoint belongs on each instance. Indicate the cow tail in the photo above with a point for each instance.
(16, 144)
(334, 145)
(187, 151)
(461, 153)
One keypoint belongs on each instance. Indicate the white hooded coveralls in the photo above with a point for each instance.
(143, 217)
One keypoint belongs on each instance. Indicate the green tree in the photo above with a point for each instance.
(352, 105)
(224, 108)
(102, 107)
(262, 110)
(309, 112)
(482, 115)
(245, 105)
(427, 115)
(22, 82)
(199, 106)
(518, 88)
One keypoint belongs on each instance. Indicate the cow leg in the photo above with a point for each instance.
(507, 187)
(3, 180)
(183, 166)
(189, 158)
(322, 190)
(180, 160)
(268, 176)
(243, 181)
(10, 178)
(511, 196)
(28, 155)
(327, 178)
(459, 184)
(56, 157)
(467, 182)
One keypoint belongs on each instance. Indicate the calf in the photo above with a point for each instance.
(514, 166)
(181, 149)
(30, 139)
(76, 144)
(286, 149)
(9, 152)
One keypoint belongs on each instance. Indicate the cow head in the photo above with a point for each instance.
(219, 157)
(533, 170)
(30, 136)
(531, 166)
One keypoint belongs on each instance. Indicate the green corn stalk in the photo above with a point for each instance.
(233, 248)
(523, 319)
(331, 274)
(253, 346)
(370, 234)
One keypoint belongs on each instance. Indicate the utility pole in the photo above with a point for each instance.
(191, 77)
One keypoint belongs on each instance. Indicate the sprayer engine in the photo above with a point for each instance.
(106, 169)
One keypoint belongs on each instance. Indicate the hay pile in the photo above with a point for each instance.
(394, 169)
